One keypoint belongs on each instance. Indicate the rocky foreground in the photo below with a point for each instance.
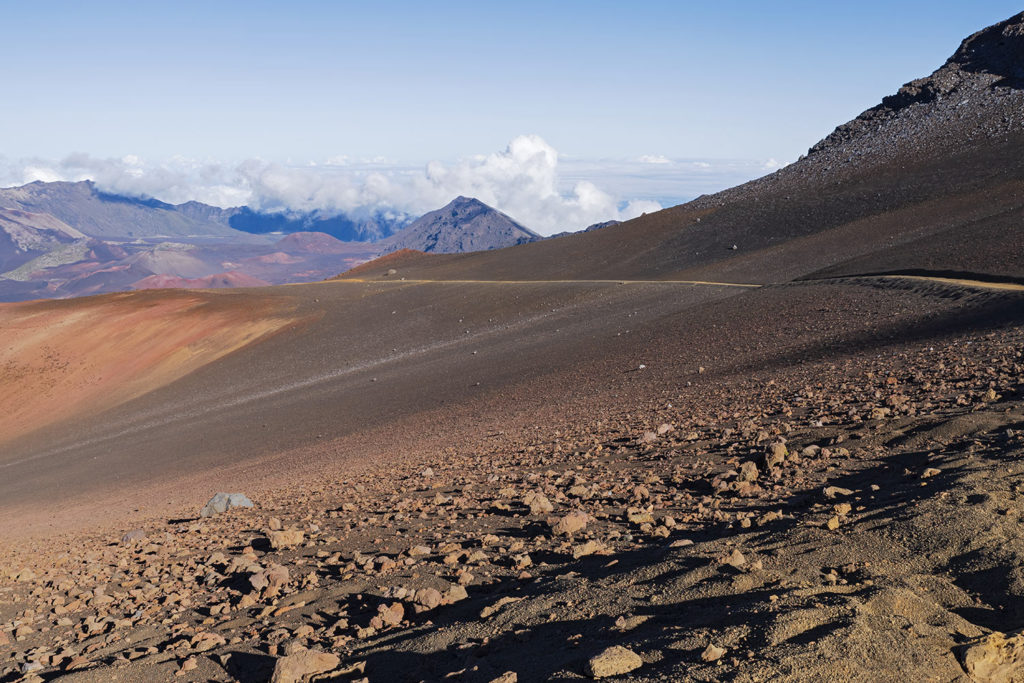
(849, 520)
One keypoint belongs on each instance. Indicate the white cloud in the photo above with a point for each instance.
(526, 180)
(654, 159)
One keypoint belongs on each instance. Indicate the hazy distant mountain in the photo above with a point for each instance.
(465, 224)
(69, 239)
(25, 236)
(345, 228)
(110, 216)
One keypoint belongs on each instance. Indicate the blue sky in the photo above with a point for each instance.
(406, 83)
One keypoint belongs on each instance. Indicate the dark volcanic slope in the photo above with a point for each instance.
(465, 224)
(931, 178)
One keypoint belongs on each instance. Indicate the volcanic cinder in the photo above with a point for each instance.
(772, 434)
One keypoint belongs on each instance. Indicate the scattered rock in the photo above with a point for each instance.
(614, 661)
(427, 599)
(391, 615)
(712, 653)
(735, 559)
(836, 492)
(538, 503)
(133, 536)
(188, 665)
(572, 523)
(588, 548)
(775, 455)
(295, 667)
(996, 658)
(222, 502)
(287, 538)
(270, 580)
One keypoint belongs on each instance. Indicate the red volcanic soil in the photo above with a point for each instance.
(231, 278)
(68, 358)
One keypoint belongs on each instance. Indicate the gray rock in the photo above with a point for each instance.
(133, 536)
(222, 502)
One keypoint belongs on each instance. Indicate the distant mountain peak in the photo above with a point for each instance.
(464, 224)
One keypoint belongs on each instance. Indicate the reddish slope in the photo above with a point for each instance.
(64, 358)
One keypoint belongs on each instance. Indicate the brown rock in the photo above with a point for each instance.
(996, 658)
(614, 661)
(639, 516)
(572, 523)
(712, 653)
(392, 614)
(538, 503)
(294, 668)
(186, 666)
(456, 593)
(588, 548)
(288, 538)
(735, 559)
(207, 640)
(775, 455)
(270, 580)
(836, 492)
(748, 471)
(427, 598)
(522, 561)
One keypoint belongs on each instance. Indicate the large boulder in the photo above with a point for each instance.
(222, 502)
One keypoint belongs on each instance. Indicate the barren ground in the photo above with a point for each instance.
(889, 526)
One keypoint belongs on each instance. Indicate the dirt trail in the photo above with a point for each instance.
(961, 282)
(551, 282)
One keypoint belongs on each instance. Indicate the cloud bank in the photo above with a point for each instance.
(527, 180)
